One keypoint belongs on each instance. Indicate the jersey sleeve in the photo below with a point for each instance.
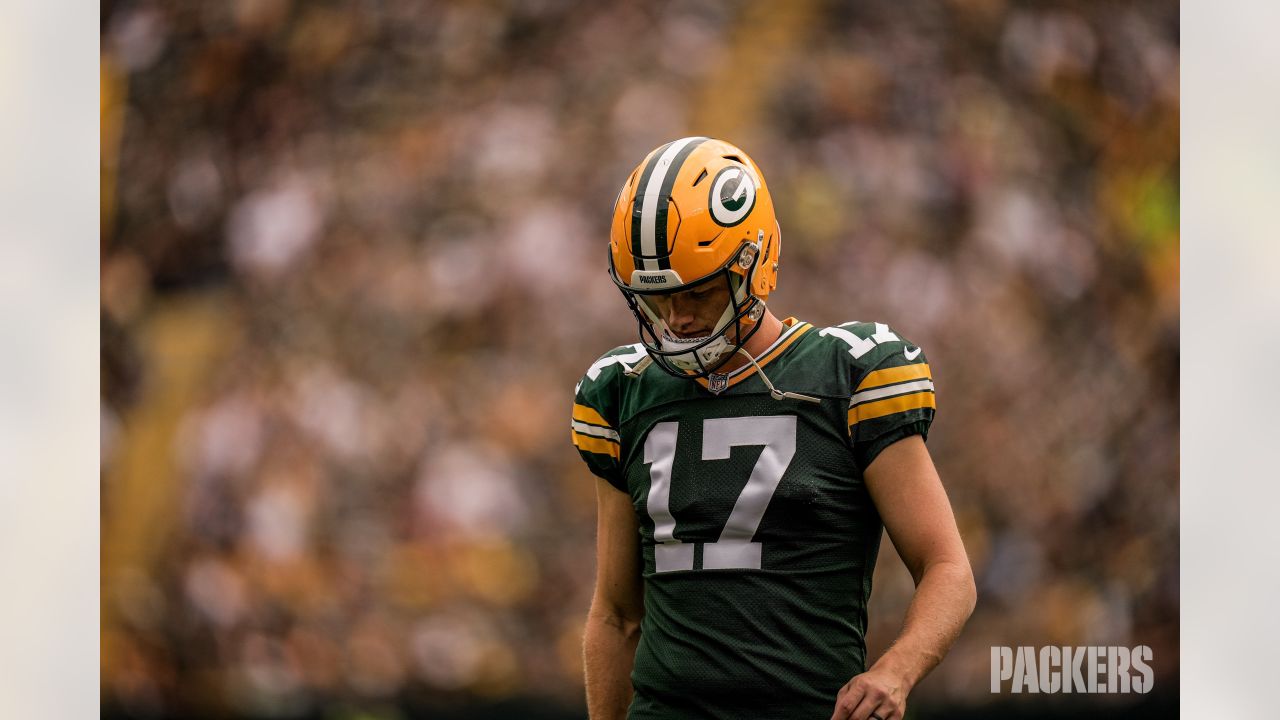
(893, 395)
(594, 426)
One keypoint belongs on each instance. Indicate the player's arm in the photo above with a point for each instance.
(613, 623)
(913, 504)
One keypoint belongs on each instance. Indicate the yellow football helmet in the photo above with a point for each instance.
(695, 211)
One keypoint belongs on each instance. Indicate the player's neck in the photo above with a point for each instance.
(770, 330)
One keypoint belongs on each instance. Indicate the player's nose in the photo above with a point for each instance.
(680, 315)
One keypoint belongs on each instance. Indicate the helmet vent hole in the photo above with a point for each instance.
(708, 241)
(701, 177)
(734, 158)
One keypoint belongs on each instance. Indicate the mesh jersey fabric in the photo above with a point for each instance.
(758, 535)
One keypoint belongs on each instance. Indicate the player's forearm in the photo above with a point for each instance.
(943, 601)
(609, 651)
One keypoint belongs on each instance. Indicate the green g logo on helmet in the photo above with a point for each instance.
(733, 195)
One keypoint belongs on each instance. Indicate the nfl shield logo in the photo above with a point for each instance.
(716, 382)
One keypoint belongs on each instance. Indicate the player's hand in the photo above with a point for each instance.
(876, 693)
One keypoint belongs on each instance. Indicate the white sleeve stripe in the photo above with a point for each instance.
(889, 391)
(596, 431)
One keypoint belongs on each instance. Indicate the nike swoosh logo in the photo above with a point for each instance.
(912, 354)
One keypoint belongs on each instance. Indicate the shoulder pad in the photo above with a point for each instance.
(595, 411)
(627, 360)
(872, 345)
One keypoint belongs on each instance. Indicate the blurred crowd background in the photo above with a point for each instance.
(353, 261)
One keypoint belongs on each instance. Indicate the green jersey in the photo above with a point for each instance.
(758, 535)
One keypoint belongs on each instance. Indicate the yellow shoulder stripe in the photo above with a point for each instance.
(895, 374)
(591, 444)
(582, 413)
(889, 406)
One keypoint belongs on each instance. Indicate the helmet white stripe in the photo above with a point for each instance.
(649, 210)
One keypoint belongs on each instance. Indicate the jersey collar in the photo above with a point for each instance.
(793, 330)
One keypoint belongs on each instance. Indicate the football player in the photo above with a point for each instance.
(746, 467)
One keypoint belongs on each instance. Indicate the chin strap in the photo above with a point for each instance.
(774, 392)
(635, 370)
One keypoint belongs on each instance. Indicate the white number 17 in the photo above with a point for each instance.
(734, 548)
